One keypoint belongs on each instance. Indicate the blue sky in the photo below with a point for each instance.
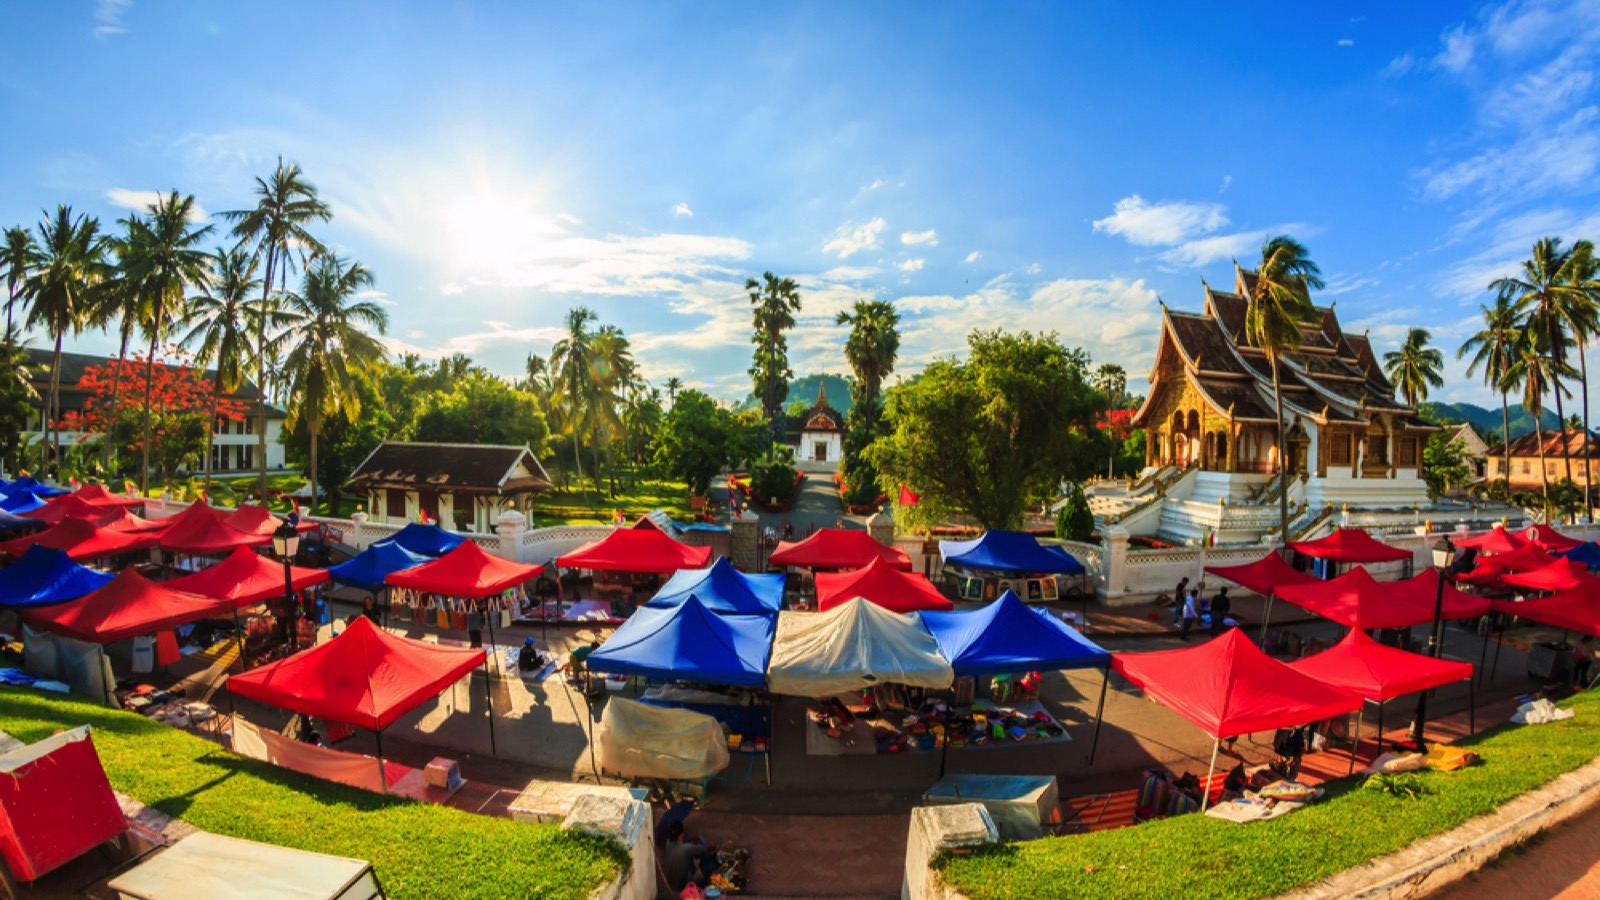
(1044, 166)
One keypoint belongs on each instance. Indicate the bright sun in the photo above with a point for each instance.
(491, 234)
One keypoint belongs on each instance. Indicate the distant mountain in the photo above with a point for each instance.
(806, 389)
(1487, 421)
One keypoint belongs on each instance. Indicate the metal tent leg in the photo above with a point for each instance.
(1205, 786)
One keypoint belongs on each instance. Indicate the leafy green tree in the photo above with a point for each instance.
(62, 294)
(1537, 374)
(1444, 463)
(573, 357)
(695, 440)
(990, 434)
(1276, 309)
(873, 345)
(19, 254)
(1074, 522)
(674, 385)
(773, 483)
(1581, 275)
(1494, 349)
(344, 442)
(481, 408)
(16, 392)
(775, 301)
(328, 345)
(277, 227)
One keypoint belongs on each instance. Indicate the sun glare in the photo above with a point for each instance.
(492, 235)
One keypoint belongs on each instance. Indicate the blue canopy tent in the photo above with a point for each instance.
(688, 642)
(1586, 553)
(31, 485)
(723, 589)
(1009, 551)
(426, 540)
(1009, 636)
(12, 522)
(45, 575)
(368, 569)
(21, 501)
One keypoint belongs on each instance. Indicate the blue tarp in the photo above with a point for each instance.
(1009, 636)
(29, 484)
(688, 643)
(368, 568)
(427, 540)
(723, 589)
(1587, 554)
(45, 575)
(1009, 551)
(20, 502)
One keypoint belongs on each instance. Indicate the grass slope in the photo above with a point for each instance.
(1196, 857)
(585, 507)
(419, 850)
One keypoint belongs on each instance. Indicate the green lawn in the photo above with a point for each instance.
(1196, 857)
(419, 850)
(574, 507)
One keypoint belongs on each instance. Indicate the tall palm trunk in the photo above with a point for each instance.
(1544, 475)
(1583, 374)
(1561, 414)
(1283, 455)
(211, 422)
(315, 427)
(1505, 434)
(149, 382)
(52, 412)
(111, 408)
(261, 368)
(577, 456)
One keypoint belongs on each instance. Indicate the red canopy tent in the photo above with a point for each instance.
(1521, 559)
(1264, 576)
(99, 496)
(1228, 687)
(66, 506)
(837, 549)
(1377, 672)
(1357, 600)
(209, 534)
(1484, 574)
(880, 583)
(1351, 545)
(246, 578)
(1560, 575)
(129, 606)
(81, 540)
(466, 571)
(644, 524)
(1495, 540)
(253, 519)
(124, 520)
(1575, 609)
(1548, 539)
(636, 549)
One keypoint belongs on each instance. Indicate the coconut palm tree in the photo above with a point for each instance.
(573, 358)
(62, 293)
(1555, 311)
(19, 254)
(163, 261)
(220, 322)
(1582, 276)
(674, 385)
(1414, 368)
(775, 301)
(286, 203)
(615, 374)
(1112, 380)
(1276, 309)
(1494, 348)
(1536, 373)
(873, 345)
(326, 346)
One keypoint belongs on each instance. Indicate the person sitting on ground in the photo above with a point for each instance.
(1190, 614)
(684, 859)
(1582, 660)
(528, 657)
(1220, 607)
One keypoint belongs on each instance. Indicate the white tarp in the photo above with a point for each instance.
(655, 742)
(853, 646)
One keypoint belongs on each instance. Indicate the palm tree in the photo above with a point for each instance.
(775, 300)
(163, 262)
(674, 385)
(615, 375)
(328, 347)
(1414, 368)
(61, 294)
(19, 254)
(1536, 372)
(1556, 309)
(1112, 380)
(220, 322)
(873, 345)
(1582, 275)
(1279, 305)
(1495, 349)
(573, 357)
(286, 204)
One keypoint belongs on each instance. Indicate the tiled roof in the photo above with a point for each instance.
(1528, 445)
(482, 467)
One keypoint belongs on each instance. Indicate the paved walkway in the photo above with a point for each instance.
(1564, 865)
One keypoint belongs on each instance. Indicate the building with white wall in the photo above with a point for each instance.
(463, 487)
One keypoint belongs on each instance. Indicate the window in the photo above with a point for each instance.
(1339, 450)
(1377, 453)
(247, 456)
(1408, 452)
(1525, 469)
(428, 502)
(394, 506)
(248, 426)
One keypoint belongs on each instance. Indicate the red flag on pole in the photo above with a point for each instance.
(907, 498)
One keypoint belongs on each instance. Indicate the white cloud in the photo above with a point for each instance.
(1157, 224)
(108, 17)
(1338, 285)
(475, 342)
(1398, 66)
(1227, 182)
(1033, 268)
(852, 238)
(1457, 53)
(1204, 251)
(682, 209)
(873, 185)
(913, 238)
(974, 256)
(1567, 156)
(450, 289)
(1346, 42)
(912, 265)
(141, 201)
(375, 296)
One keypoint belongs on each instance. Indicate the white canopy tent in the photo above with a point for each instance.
(851, 647)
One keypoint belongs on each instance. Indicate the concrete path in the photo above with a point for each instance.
(1564, 865)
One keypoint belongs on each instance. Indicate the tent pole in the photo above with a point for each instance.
(110, 689)
(1483, 654)
(383, 772)
(1495, 669)
(488, 701)
(1355, 739)
(1266, 618)
(1099, 714)
(1472, 708)
(1380, 727)
(1205, 786)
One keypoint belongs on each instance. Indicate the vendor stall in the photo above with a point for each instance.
(1495, 540)
(723, 589)
(837, 549)
(203, 530)
(1266, 576)
(246, 578)
(1348, 546)
(1548, 539)
(67, 506)
(44, 576)
(882, 584)
(1588, 554)
(1357, 600)
(853, 646)
(466, 580)
(82, 541)
(688, 642)
(1377, 673)
(1560, 575)
(99, 496)
(999, 561)
(424, 540)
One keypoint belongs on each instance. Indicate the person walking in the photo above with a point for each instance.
(1190, 615)
(1220, 607)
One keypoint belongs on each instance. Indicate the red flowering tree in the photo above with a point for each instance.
(181, 401)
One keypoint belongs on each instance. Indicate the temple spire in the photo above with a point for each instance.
(822, 391)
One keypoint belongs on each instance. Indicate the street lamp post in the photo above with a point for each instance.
(286, 543)
(1444, 554)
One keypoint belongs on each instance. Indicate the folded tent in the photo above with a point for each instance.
(128, 606)
(246, 578)
(368, 569)
(882, 584)
(1350, 545)
(851, 647)
(837, 549)
(1009, 551)
(81, 540)
(1357, 600)
(1559, 575)
(688, 642)
(45, 575)
(645, 550)
(723, 589)
(424, 540)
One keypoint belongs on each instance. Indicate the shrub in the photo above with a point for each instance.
(1075, 522)
(773, 481)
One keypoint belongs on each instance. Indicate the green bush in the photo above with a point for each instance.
(773, 481)
(1075, 522)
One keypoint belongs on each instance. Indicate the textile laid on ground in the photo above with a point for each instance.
(1264, 576)
(1540, 712)
(1009, 551)
(1350, 545)
(246, 578)
(838, 549)
(129, 605)
(1357, 600)
(723, 589)
(1228, 687)
(43, 576)
(850, 647)
(645, 550)
(657, 742)
(466, 571)
(1376, 672)
(880, 583)
(688, 642)
(364, 677)
(1009, 636)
